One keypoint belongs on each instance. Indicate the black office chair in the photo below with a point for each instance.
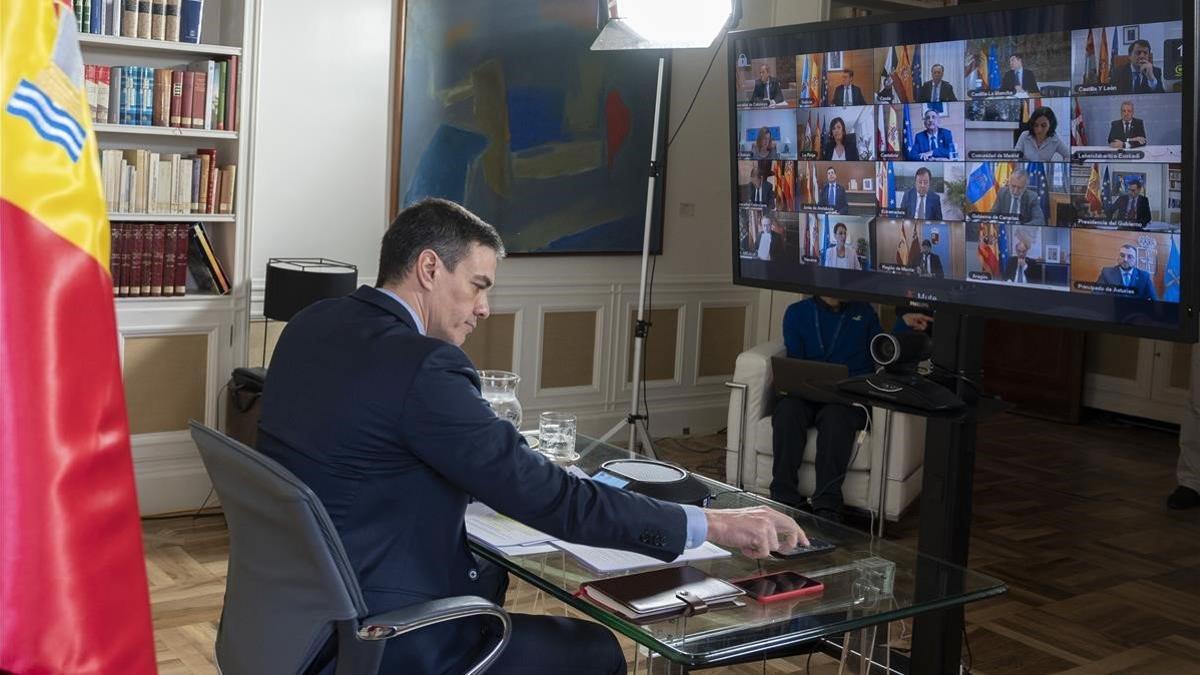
(290, 588)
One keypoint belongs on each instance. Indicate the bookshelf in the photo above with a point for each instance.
(178, 350)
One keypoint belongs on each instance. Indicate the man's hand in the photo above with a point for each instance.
(754, 531)
(917, 321)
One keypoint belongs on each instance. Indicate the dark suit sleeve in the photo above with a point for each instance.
(759, 91)
(909, 205)
(936, 211)
(858, 97)
(1032, 82)
(1116, 132)
(446, 424)
(1143, 210)
(1008, 81)
(948, 93)
(843, 206)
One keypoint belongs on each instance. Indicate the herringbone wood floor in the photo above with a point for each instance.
(1102, 577)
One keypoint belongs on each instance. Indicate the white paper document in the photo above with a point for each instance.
(497, 530)
(612, 560)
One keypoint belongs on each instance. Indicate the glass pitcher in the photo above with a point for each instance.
(499, 388)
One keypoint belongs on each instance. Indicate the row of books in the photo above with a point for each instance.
(170, 20)
(164, 259)
(138, 180)
(199, 95)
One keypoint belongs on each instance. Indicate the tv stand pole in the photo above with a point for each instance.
(945, 525)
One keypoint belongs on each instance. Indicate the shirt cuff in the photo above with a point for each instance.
(697, 525)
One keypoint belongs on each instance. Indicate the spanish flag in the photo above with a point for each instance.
(73, 595)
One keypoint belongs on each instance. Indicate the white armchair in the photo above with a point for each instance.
(749, 444)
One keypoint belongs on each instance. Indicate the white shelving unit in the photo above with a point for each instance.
(197, 337)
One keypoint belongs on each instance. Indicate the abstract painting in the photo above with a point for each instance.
(503, 109)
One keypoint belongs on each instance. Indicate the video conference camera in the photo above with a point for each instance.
(899, 382)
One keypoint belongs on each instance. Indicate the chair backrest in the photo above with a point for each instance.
(289, 580)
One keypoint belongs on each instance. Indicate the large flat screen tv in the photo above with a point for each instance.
(1027, 160)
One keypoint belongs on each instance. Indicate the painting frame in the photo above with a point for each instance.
(629, 230)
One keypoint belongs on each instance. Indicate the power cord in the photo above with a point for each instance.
(700, 86)
(957, 375)
(649, 310)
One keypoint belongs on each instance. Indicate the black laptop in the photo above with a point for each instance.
(811, 380)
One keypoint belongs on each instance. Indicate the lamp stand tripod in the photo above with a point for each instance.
(639, 439)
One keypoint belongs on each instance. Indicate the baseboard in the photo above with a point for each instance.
(169, 473)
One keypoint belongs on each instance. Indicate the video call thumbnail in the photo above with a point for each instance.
(1142, 127)
(1137, 265)
(1131, 59)
(843, 241)
(1127, 196)
(924, 191)
(767, 134)
(849, 75)
(919, 73)
(842, 188)
(767, 82)
(919, 248)
(1023, 193)
(768, 235)
(1031, 129)
(927, 132)
(1019, 66)
(836, 133)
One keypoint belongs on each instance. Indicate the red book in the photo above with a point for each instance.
(156, 259)
(135, 261)
(114, 257)
(185, 104)
(168, 259)
(181, 258)
(199, 98)
(176, 97)
(231, 99)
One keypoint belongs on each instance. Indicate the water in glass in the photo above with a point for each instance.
(556, 433)
(499, 389)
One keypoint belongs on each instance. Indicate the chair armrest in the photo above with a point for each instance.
(398, 622)
(750, 400)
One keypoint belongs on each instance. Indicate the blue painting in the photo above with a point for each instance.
(505, 110)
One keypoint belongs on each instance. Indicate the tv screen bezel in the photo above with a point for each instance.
(1186, 331)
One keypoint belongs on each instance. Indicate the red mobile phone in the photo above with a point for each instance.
(780, 586)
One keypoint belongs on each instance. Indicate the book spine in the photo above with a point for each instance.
(197, 169)
(147, 258)
(190, 12)
(86, 15)
(126, 246)
(135, 261)
(143, 19)
(231, 98)
(181, 258)
(168, 258)
(162, 98)
(89, 87)
(228, 176)
(214, 178)
(210, 258)
(199, 98)
(147, 116)
(114, 257)
(185, 103)
(157, 253)
(172, 21)
(176, 97)
(222, 79)
(129, 18)
(102, 93)
(158, 20)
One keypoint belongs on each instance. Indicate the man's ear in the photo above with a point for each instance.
(427, 268)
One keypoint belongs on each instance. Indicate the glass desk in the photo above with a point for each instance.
(868, 582)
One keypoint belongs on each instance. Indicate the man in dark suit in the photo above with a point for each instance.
(930, 264)
(1019, 78)
(1127, 132)
(1141, 76)
(847, 92)
(371, 403)
(936, 90)
(1131, 207)
(1015, 200)
(1127, 275)
(933, 143)
(758, 191)
(833, 194)
(919, 202)
(766, 88)
(1023, 270)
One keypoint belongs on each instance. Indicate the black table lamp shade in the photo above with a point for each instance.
(296, 283)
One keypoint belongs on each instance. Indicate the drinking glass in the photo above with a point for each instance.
(499, 389)
(556, 433)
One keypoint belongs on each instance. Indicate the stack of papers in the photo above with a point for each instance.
(605, 560)
(498, 531)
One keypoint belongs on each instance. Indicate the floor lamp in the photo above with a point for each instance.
(659, 25)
